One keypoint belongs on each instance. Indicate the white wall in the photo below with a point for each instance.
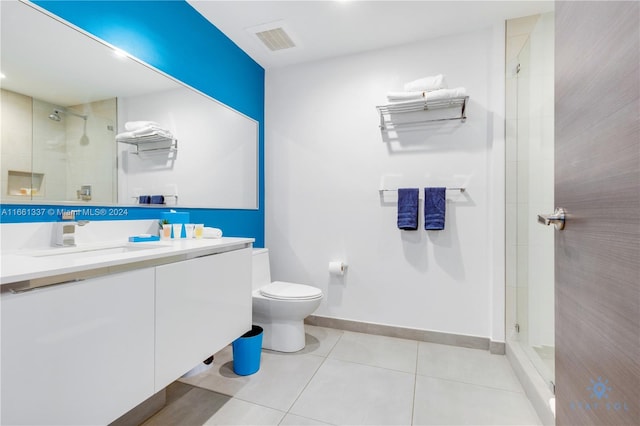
(325, 158)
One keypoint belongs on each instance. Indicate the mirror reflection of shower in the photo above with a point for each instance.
(55, 116)
(51, 160)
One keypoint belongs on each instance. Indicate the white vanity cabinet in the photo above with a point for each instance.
(78, 353)
(202, 305)
(88, 351)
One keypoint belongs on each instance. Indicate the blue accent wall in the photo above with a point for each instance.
(174, 38)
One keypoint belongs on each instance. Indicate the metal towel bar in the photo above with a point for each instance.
(448, 189)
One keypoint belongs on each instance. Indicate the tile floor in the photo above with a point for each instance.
(346, 378)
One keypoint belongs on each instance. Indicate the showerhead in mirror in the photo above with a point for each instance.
(55, 115)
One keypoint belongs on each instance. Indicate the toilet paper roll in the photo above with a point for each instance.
(337, 267)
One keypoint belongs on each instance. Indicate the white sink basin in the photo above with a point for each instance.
(83, 252)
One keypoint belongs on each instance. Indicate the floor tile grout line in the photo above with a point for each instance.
(312, 376)
(287, 411)
(231, 397)
(335, 344)
(415, 383)
(521, 391)
(473, 384)
(368, 365)
(306, 386)
(374, 366)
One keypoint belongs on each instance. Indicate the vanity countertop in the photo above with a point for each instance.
(58, 264)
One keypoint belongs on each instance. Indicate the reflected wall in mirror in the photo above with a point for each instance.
(212, 162)
(94, 92)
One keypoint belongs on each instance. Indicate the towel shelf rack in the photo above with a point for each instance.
(151, 143)
(422, 105)
(382, 191)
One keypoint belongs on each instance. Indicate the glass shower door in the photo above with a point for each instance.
(535, 194)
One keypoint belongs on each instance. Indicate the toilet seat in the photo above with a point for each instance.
(290, 291)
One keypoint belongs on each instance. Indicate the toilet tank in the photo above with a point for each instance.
(261, 273)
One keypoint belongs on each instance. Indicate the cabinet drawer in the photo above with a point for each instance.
(202, 305)
(78, 353)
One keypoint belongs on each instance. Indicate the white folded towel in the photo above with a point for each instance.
(441, 94)
(146, 132)
(149, 130)
(125, 136)
(135, 125)
(404, 96)
(426, 84)
(211, 232)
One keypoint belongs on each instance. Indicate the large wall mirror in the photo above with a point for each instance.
(81, 124)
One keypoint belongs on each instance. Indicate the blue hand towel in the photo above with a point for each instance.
(435, 205)
(157, 199)
(144, 199)
(408, 208)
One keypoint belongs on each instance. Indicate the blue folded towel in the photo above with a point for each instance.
(144, 199)
(157, 199)
(435, 205)
(408, 208)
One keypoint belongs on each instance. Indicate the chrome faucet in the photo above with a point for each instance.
(65, 234)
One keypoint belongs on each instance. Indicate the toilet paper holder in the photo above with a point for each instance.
(337, 267)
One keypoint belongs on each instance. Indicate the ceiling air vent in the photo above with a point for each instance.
(276, 39)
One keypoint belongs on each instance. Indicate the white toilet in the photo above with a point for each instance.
(280, 307)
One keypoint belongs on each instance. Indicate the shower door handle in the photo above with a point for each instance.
(557, 218)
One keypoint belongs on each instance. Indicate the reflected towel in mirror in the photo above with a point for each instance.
(157, 199)
(130, 126)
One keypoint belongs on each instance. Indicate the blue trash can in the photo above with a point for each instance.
(246, 352)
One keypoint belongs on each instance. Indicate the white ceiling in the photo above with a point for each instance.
(53, 62)
(72, 70)
(324, 29)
